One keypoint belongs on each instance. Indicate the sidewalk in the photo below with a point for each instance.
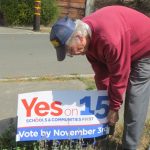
(24, 30)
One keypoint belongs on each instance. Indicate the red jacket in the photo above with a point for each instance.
(120, 35)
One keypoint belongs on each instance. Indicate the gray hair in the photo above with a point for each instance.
(80, 28)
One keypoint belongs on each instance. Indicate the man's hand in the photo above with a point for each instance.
(112, 117)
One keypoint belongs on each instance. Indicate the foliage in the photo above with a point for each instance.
(89, 82)
(7, 137)
(103, 3)
(49, 11)
(21, 12)
(17, 12)
(140, 5)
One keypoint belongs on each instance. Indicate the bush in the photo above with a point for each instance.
(140, 5)
(17, 12)
(103, 3)
(49, 11)
(21, 12)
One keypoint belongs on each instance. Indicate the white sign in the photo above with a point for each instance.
(50, 115)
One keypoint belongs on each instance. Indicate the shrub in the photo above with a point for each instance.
(140, 5)
(49, 11)
(24, 12)
(17, 12)
(21, 12)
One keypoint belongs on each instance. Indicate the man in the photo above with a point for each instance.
(116, 41)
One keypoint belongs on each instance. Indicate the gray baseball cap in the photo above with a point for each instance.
(60, 33)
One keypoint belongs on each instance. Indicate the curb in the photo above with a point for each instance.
(23, 30)
(46, 77)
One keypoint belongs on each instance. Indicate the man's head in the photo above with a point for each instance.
(70, 37)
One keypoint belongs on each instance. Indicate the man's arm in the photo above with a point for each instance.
(101, 74)
(119, 69)
(102, 83)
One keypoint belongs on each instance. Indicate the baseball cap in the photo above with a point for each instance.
(60, 33)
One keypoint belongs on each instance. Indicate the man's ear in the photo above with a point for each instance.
(80, 37)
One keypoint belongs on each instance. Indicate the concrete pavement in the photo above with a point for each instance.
(25, 53)
(23, 30)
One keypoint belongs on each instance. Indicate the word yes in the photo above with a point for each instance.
(42, 108)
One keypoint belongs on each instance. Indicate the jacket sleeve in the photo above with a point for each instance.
(101, 74)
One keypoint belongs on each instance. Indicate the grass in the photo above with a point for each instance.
(145, 139)
(88, 81)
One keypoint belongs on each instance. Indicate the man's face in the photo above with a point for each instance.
(77, 45)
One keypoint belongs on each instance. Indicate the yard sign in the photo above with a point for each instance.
(50, 115)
